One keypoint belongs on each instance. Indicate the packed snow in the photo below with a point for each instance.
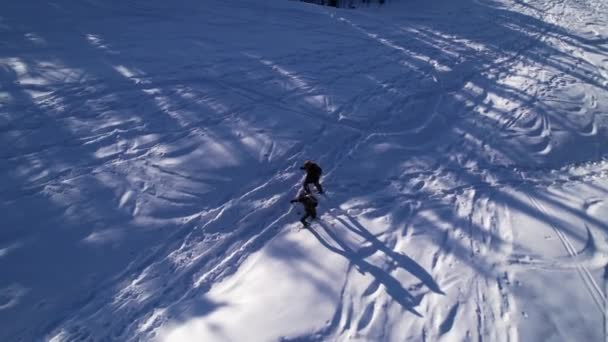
(150, 149)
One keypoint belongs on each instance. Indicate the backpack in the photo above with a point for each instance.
(317, 169)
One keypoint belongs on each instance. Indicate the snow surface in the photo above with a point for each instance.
(150, 149)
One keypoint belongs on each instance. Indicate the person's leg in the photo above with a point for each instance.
(313, 213)
(303, 219)
(305, 185)
(319, 187)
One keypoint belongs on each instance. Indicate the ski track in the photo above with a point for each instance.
(429, 127)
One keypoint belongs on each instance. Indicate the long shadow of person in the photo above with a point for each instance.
(401, 260)
(392, 285)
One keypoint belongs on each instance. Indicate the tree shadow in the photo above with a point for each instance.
(153, 112)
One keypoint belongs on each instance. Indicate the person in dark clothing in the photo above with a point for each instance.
(313, 175)
(310, 207)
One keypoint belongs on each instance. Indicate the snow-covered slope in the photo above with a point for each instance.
(150, 149)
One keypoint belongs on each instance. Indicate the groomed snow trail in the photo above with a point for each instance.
(150, 150)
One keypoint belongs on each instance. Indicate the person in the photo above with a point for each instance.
(313, 175)
(310, 206)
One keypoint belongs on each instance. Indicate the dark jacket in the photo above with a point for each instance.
(313, 171)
